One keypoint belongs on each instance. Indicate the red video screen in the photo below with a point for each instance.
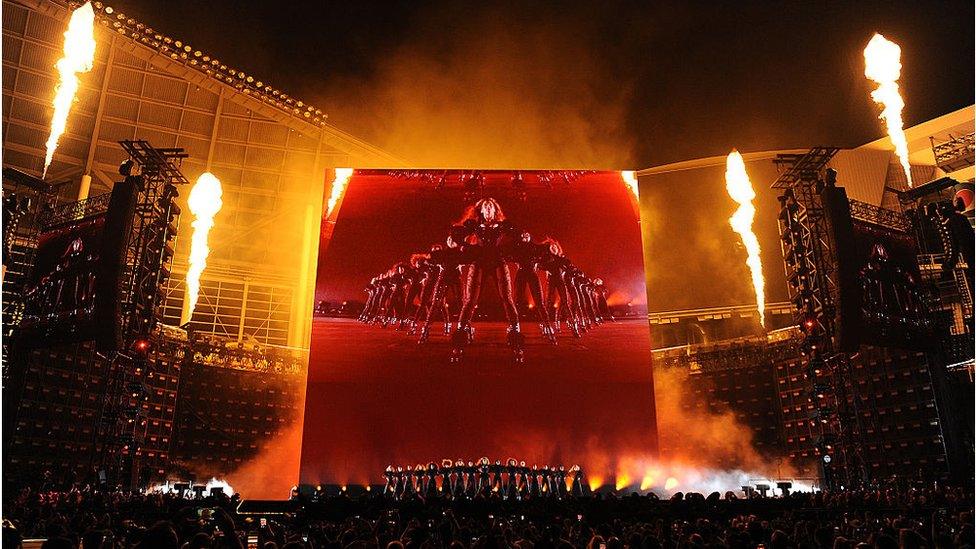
(463, 314)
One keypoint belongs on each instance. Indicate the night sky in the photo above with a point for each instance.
(608, 84)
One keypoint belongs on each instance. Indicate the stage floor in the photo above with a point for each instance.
(353, 351)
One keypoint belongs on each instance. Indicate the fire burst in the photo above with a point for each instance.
(342, 176)
(740, 189)
(79, 57)
(204, 203)
(882, 64)
(630, 178)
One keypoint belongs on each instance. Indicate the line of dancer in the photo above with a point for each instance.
(448, 279)
(459, 479)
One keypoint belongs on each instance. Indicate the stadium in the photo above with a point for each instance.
(369, 349)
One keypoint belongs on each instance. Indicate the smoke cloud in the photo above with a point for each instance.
(274, 471)
(692, 435)
(484, 91)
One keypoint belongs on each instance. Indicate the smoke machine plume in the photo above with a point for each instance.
(79, 57)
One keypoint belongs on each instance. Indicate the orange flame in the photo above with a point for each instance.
(630, 178)
(882, 64)
(740, 189)
(671, 483)
(79, 57)
(204, 203)
(339, 184)
(623, 481)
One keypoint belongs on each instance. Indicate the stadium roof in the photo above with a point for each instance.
(270, 151)
(864, 170)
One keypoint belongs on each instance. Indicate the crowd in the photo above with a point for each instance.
(881, 519)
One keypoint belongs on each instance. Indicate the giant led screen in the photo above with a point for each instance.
(464, 314)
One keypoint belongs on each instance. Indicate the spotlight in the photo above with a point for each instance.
(809, 324)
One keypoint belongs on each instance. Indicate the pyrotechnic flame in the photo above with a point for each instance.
(204, 203)
(219, 483)
(671, 483)
(740, 189)
(342, 176)
(630, 178)
(79, 57)
(882, 64)
(166, 487)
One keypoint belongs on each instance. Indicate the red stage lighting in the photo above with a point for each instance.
(141, 346)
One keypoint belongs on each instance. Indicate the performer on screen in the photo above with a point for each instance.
(600, 293)
(484, 244)
(444, 263)
(372, 294)
(415, 276)
(486, 239)
(528, 256)
(558, 269)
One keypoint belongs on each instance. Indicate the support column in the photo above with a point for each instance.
(304, 293)
(240, 325)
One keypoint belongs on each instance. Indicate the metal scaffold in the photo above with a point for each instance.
(811, 272)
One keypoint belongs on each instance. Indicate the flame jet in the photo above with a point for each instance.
(630, 178)
(342, 176)
(79, 57)
(882, 64)
(740, 189)
(204, 203)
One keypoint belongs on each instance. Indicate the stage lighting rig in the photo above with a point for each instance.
(812, 284)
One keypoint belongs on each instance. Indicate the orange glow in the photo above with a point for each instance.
(671, 483)
(79, 57)
(882, 65)
(220, 483)
(594, 482)
(623, 481)
(739, 187)
(204, 203)
(630, 178)
(339, 184)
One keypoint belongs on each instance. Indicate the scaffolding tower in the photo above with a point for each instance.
(811, 271)
(148, 253)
